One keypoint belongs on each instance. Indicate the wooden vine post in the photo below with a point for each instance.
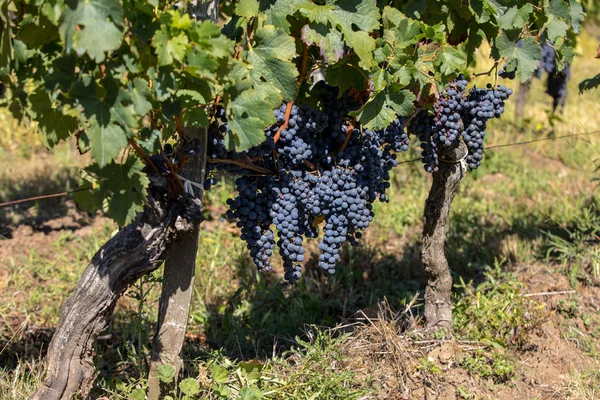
(180, 265)
(438, 300)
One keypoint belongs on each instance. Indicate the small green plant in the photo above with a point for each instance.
(578, 251)
(495, 312)
(496, 366)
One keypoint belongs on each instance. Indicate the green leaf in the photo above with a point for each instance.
(526, 55)
(346, 15)
(122, 185)
(6, 48)
(515, 17)
(253, 112)
(400, 30)
(150, 140)
(219, 374)
(559, 18)
(363, 14)
(194, 117)
(166, 373)
(250, 393)
(169, 48)
(163, 82)
(577, 15)
(271, 60)
(189, 386)
(53, 123)
(252, 371)
(180, 21)
(140, 93)
(36, 34)
(278, 11)
(381, 110)
(315, 12)
(327, 39)
(138, 394)
(346, 76)
(246, 8)
(106, 141)
(451, 60)
(92, 27)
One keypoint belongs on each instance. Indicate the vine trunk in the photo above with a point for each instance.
(438, 302)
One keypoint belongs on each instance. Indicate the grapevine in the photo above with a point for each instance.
(129, 81)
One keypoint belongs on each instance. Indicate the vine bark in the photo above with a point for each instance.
(137, 249)
(438, 302)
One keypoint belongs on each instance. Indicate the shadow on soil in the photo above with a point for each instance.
(264, 315)
(37, 213)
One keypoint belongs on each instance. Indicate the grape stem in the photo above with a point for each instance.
(310, 165)
(241, 164)
(149, 163)
(488, 73)
(288, 111)
(348, 135)
(303, 67)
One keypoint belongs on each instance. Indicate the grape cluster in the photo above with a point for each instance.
(325, 173)
(480, 106)
(556, 85)
(458, 113)
(447, 121)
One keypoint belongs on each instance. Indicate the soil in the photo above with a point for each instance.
(544, 371)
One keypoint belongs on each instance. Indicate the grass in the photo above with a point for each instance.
(526, 222)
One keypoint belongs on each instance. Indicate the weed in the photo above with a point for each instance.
(495, 312)
(495, 365)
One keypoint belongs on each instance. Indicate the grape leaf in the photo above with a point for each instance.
(124, 185)
(345, 15)
(271, 60)
(194, 117)
(400, 30)
(140, 93)
(36, 34)
(253, 112)
(577, 15)
(106, 141)
(451, 60)
(315, 12)
(246, 8)
(6, 49)
(381, 110)
(93, 26)
(169, 48)
(163, 82)
(526, 55)
(558, 14)
(515, 17)
(345, 76)
(54, 125)
(277, 12)
(327, 39)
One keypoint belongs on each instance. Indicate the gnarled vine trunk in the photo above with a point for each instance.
(135, 250)
(438, 302)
